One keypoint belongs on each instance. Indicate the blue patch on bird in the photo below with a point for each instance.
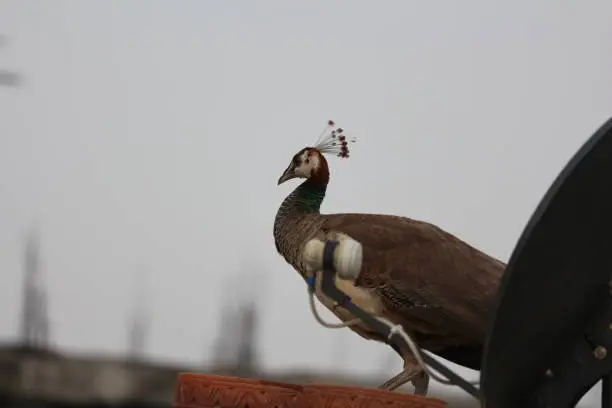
(311, 280)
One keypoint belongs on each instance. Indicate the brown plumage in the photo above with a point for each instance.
(439, 288)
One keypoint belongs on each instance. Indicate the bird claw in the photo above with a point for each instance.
(416, 375)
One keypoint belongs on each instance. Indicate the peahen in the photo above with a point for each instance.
(439, 288)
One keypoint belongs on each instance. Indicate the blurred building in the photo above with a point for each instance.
(52, 379)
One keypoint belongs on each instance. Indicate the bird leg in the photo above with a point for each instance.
(412, 373)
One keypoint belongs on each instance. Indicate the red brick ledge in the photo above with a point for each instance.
(213, 391)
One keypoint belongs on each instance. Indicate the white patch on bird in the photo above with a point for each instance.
(308, 164)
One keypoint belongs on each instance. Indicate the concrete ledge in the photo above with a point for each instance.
(213, 391)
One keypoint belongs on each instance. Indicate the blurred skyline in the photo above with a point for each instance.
(149, 135)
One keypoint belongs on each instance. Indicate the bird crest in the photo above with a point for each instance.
(334, 141)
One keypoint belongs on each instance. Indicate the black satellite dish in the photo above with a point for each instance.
(551, 337)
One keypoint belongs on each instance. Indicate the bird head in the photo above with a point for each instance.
(310, 162)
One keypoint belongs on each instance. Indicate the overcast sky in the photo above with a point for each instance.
(148, 137)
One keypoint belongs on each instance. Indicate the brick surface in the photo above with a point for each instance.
(212, 391)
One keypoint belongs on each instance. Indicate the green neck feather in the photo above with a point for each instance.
(309, 196)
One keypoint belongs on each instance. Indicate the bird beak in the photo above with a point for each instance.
(287, 175)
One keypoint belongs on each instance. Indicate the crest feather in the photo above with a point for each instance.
(334, 141)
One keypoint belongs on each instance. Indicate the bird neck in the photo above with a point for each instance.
(301, 204)
(297, 219)
(308, 196)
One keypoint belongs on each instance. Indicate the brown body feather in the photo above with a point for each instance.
(437, 286)
(434, 284)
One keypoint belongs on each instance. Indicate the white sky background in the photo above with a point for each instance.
(149, 136)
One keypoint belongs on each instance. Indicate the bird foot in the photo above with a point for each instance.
(415, 374)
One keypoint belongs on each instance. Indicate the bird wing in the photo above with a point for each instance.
(429, 279)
